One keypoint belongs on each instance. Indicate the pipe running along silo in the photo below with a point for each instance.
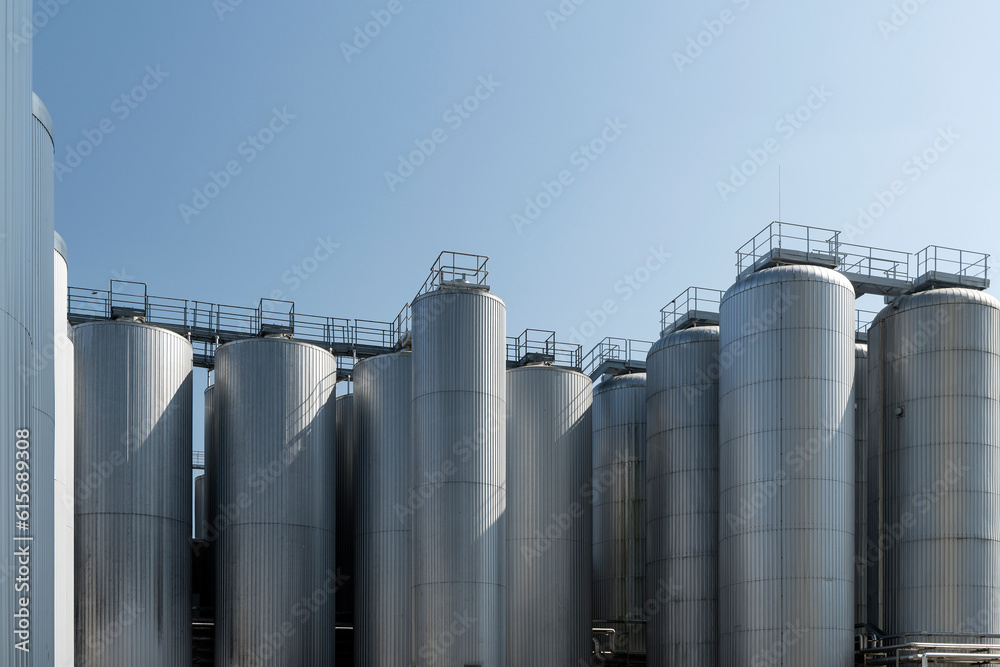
(383, 398)
(786, 469)
(934, 424)
(275, 418)
(459, 486)
(682, 499)
(861, 544)
(347, 446)
(549, 523)
(133, 509)
(619, 511)
(64, 457)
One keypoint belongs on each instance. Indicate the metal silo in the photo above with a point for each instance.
(275, 421)
(619, 478)
(682, 499)
(133, 509)
(64, 457)
(212, 525)
(459, 431)
(861, 544)
(383, 390)
(935, 423)
(549, 523)
(347, 447)
(786, 469)
(200, 507)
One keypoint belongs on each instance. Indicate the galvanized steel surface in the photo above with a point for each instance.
(383, 397)
(133, 510)
(275, 421)
(549, 522)
(62, 582)
(619, 478)
(200, 507)
(786, 469)
(347, 447)
(212, 517)
(861, 544)
(460, 466)
(682, 499)
(935, 439)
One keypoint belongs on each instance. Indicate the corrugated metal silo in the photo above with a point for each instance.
(786, 469)
(200, 507)
(861, 545)
(460, 466)
(211, 468)
(682, 499)
(133, 510)
(347, 447)
(935, 424)
(64, 456)
(275, 421)
(383, 390)
(619, 478)
(549, 523)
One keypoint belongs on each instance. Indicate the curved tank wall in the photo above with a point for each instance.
(682, 499)
(549, 533)
(383, 397)
(861, 545)
(133, 509)
(275, 421)
(347, 446)
(786, 469)
(213, 520)
(459, 432)
(935, 423)
(64, 457)
(619, 512)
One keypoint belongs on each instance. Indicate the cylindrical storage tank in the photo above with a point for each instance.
(459, 485)
(383, 390)
(212, 523)
(862, 548)
(64, 457)
(199, 507)
(133, 500)
(935, 421)
(682, 499)
(549, 531)
(275, 419)
(786, 469)
(347, 446)
(619, 479)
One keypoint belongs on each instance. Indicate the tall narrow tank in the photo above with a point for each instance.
(64, 457)
(682, 499)
(460, 466)
(383, 390)
(200, 507)
(276, 436)
(786, 469)
(347, 446)
(549, 531)
(935, 422)
(133, 509)
(212, 523)
(862, 547)
(619, 478)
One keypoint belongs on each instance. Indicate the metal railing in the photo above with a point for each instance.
(927, 648)
(541, 346)
(952, 261)
(691, 300)
(875, 262)
(630, 353)
(863, 320)
(811, 241)
(456, 267)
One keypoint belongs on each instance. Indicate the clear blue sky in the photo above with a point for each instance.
(887, 93)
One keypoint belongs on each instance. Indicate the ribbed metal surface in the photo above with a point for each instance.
(383, 390)
(460, 466)
(347, 447)
(861, 544)
(619, 478)
(786, 469)
(275, 579)
(133, 511)
(549, 523)
(682, 499)
(64, 457)
(200, 507)
(935, 423)
(213, 518)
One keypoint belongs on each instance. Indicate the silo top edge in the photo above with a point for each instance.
(41, 113)
(129, 323)
(937, 297)
(861, 349)
(549, 369)
(692, 335)
(789, 273)
(286, 341)
(621, 382)
(60, 246)
(458, 290)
